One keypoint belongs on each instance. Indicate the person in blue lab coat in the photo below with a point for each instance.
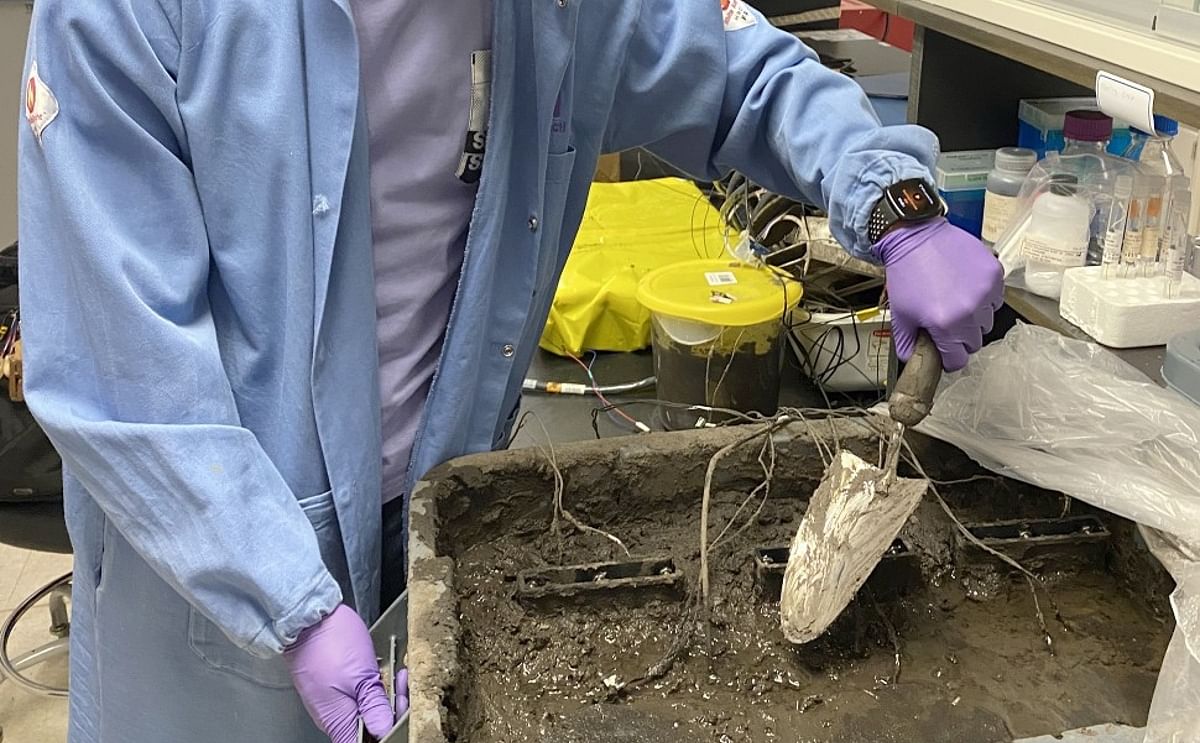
(280, 259)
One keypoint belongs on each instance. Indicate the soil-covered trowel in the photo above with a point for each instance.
(856, 513)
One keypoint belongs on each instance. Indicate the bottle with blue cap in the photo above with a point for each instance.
(1164, 172)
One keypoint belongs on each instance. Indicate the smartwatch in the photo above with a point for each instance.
(914, 200)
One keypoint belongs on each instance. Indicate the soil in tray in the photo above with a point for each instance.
(975, 667)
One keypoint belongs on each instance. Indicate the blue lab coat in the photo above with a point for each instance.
(199, 310)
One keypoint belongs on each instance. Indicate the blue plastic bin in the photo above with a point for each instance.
(961, 181)
(1040, 125)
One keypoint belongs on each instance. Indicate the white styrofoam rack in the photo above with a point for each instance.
(1128, 312)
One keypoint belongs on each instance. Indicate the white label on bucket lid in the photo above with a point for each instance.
(720, 278)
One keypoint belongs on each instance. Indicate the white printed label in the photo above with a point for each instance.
(1053, 252)
(41, 107)
(720, 278)
(998, 212)
(737, 15)
(567, 388)
(878, 348)
(1150, 244)
(1125, 100)
(1114, 242)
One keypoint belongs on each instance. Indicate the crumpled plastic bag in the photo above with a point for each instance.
(1068, 415)
(1175, 711)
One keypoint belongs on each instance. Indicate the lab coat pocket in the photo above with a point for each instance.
(214, 648)
(559, 169)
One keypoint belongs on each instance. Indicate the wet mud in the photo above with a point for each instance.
(974, 664)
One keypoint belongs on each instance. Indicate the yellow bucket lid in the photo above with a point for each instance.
(719, 292)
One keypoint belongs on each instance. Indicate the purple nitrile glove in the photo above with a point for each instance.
(401, 688)
(335, 671)
(944, 280)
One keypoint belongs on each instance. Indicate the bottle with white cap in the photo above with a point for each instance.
(1057, 236)
(1011, 167)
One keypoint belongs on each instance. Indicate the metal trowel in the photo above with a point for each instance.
(856, 512)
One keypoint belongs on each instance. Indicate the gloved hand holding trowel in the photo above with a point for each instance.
(944, 287)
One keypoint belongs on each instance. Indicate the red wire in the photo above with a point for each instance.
(596, 391)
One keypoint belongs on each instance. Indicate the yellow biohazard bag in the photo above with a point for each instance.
(628, 230)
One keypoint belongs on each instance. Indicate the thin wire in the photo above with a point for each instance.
(596, 387)
(733, 354)
(764, 487)
(707, 498)
(560, 487)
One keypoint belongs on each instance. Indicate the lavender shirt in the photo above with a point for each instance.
(416, 71)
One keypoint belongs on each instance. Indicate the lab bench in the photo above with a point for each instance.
(1044, 312)
(973, 61)
(569, 417)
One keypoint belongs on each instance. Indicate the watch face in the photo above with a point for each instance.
(912, 200)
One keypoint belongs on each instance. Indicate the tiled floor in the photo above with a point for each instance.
(25, 718)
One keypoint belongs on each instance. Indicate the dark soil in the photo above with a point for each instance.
(745, 378)
(975, 666)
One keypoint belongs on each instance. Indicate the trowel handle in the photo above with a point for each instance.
(912, 398)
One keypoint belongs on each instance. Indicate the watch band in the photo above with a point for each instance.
(914, 200)
(882, 218)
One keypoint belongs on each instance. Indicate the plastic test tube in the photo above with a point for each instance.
(1135, 228)
(1157, 213)
(1114, 231)
(1178, 243)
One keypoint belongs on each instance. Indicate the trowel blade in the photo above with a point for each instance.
(852, 520)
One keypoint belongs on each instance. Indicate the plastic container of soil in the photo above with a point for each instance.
(718, 337)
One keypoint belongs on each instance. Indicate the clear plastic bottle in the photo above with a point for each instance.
(1087, 135)
(1004, 183)
(1057, 237)
(1165, 174)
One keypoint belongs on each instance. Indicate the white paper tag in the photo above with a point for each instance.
(1125, 100)
(41, 107)
(737, 15)
(720, 278)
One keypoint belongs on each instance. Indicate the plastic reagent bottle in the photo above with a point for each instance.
(1117, 217)
(1004, 183)
(1165, 171)
(1177, 243)
(1087, 135)
(1057, 238)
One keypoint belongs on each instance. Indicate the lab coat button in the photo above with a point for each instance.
(562, 3)
(533, 224)
(509, 350)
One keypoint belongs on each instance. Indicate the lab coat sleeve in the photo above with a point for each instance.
(755, 99)
(123, 369)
